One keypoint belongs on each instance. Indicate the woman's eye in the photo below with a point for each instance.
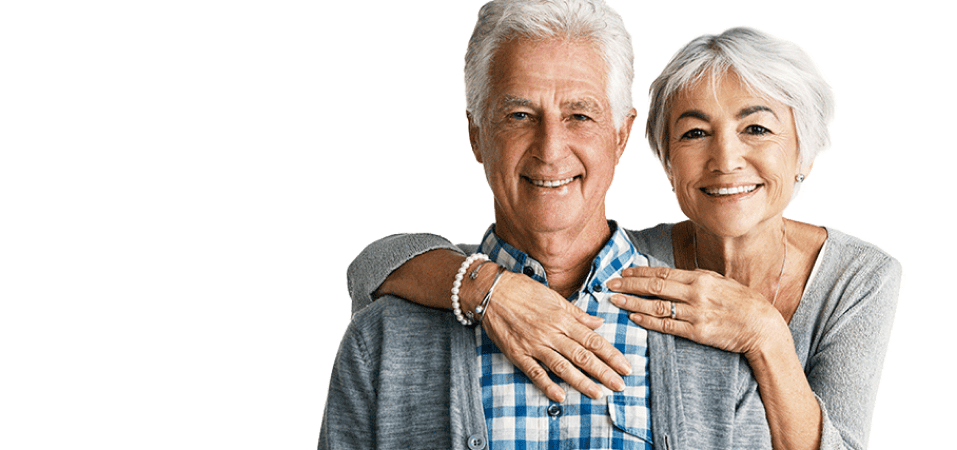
(696, 133)
(756, 130)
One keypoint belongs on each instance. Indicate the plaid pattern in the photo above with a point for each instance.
(519, 416)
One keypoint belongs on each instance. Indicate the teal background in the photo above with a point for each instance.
(182, 184)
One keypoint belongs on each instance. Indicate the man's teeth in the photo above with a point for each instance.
(731, 190)
(552, 184)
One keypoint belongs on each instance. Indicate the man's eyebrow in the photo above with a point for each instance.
(511, 101)
(582, 105)
(754, 109)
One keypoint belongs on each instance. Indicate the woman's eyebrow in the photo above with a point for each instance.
(694, 114)
(755, 109)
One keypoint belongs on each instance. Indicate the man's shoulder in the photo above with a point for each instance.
(654, 243)
(401, 321)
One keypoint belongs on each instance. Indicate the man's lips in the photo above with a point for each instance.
(550, 183)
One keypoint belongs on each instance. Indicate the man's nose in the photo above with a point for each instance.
(552, 142)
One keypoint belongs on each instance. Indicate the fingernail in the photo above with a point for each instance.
(623, 367)
(619, 385)
(557, 394)
(617, 300)
(614, 284)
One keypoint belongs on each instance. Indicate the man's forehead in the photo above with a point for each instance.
(577, 104)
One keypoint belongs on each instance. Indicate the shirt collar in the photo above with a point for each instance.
(617, 254)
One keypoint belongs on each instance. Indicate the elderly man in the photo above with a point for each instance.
(549, 117)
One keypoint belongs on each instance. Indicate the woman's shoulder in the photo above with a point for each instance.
(854, 287)
(852, 274)
(845, 251)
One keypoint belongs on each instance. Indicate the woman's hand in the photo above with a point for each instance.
(534, 326)
(709, 309)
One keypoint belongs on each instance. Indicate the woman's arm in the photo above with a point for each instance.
(722, 313)
(421, 268)
(845, 363)
(370, 269)
(829, 405)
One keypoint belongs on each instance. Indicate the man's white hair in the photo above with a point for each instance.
(588, 21)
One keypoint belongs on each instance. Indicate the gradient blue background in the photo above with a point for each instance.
(182, 184)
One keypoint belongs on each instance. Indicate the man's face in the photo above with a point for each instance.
(548, 141)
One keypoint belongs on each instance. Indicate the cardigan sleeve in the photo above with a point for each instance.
(374, 264)
(844, 366)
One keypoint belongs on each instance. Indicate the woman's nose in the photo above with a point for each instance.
(726, 153)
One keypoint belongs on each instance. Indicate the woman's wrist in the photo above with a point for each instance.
(774, 340)
(473, 290)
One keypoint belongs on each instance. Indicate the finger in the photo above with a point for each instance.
(669, 287)
(647, 306)
(589, 320)
(539, 377)
(684, 276)
(665, 325)
(605, 352)
(596, 357)
(568, 371)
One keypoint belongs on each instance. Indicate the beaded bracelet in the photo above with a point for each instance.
(456, 308)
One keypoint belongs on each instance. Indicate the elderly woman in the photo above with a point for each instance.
(736, 120)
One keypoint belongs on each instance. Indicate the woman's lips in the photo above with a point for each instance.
(722, 191)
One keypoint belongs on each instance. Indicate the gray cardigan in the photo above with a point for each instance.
(405, 376)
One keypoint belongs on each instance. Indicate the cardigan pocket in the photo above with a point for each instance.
(630, 412)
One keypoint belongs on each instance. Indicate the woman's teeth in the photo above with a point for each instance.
(731, 190)
(552, 184)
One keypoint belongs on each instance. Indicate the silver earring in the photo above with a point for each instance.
(799, 178)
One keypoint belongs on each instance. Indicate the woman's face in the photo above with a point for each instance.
(733, 155)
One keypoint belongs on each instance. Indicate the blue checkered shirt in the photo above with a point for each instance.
(520, 416)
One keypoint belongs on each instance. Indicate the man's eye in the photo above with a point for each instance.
(518, 115)
(756, 130)
(696, 133)
(580, 117)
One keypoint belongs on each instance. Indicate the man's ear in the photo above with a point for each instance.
(474, 136)
(624, 133)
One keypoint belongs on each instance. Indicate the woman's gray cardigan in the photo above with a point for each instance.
(405, 376)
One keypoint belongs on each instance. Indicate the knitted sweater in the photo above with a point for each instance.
(701, 397)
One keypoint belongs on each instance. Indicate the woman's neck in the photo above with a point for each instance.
(757, 259)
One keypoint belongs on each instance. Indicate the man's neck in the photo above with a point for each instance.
(566, 255)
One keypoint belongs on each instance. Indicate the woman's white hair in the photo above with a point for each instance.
(588, 21)
(768, 66)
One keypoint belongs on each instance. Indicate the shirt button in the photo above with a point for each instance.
(528, 270)
(476, 442)
(554, 410)
(598, 288)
